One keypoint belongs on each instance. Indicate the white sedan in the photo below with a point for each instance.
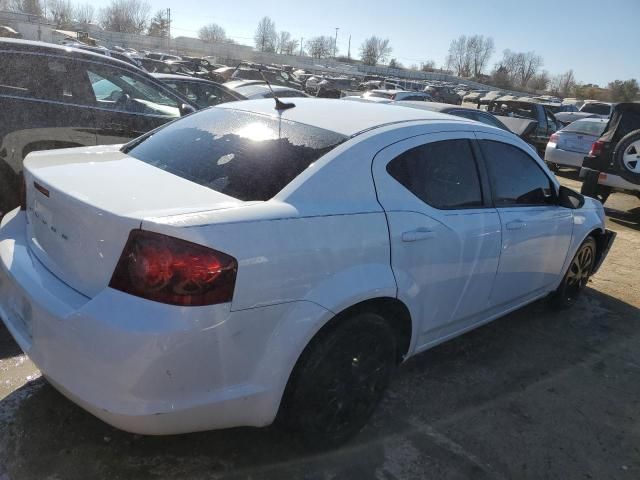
(244, 264)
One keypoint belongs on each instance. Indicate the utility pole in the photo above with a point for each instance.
(301, 40)
(169, 29)
(335, 43)
(349, 52)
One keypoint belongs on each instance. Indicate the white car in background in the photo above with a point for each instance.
(570, 145)
(244, 264)
(388, 96)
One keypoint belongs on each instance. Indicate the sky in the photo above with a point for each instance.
(598, 39)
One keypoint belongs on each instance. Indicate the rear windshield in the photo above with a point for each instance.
(586, 127)
(596, 108)
(244, 155)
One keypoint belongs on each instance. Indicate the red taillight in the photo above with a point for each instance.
(596, 148)
(170, 270)
(554, 138)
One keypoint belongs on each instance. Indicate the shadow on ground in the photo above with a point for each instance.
(8, 346)
(629, 219)
(536, 394)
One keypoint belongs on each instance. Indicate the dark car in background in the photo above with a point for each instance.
(202, 93)
(613, 163)
(529, 120)
(465, 112)
(58, 97)
(443, 94)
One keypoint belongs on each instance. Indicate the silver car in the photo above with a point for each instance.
(570, 145)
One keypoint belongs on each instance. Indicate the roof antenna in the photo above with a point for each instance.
(280, 105)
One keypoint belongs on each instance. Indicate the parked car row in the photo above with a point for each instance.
(606, 151)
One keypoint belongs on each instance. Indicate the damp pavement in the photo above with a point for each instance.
(536, 394)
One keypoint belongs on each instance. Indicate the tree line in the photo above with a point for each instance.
(468, 56)
(124, 16)
(373, 50)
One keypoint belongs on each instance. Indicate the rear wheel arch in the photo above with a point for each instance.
(598, 235)
(394, 311)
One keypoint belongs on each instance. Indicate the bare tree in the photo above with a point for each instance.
(624, 91)
(212, 33)
(539, 81)
(281, 41)
(563, 84)
(459, 58)
(30, 7)
(375, 50)
(60, 12)
(428, 66)
(520, 67)
(394, 63)
(159, 24)
(126, 16)
(480, 50)
(320, 47)
(291, 47)
(266, 35)
(84, 14)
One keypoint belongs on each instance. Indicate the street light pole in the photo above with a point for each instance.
(335, 43)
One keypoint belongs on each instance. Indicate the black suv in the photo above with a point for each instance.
(613, 163)
(56, 97)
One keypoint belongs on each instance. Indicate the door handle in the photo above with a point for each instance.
(418, 234)
(516, 225)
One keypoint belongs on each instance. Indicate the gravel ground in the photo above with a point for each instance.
(533, 395)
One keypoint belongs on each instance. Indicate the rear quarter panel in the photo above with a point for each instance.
(333, 260)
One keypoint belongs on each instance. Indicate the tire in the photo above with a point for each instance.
(626, 157)
(577, 276)
(591, 187)
(339, 380)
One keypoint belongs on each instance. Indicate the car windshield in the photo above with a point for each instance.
(587, 127)
(596, 108)
(243, 155)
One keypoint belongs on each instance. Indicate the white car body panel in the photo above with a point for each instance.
(330, 239)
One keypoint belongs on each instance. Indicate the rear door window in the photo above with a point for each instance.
(39, 76)
(442, 174)
(244, 155)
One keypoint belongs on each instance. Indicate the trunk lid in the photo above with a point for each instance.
(83, 202)
(575, 142)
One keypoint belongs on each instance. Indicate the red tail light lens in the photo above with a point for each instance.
(554, 138)
(596, 149)
(170, 270)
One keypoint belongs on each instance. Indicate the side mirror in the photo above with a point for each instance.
(569, 198)
(186, 109)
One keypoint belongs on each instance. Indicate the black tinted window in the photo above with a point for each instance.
(244, 155)
(43, 77)
(442, 174)
(515, 176)
(596, 108)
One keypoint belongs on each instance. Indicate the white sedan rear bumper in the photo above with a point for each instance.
(143, 366)
(567, 158)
